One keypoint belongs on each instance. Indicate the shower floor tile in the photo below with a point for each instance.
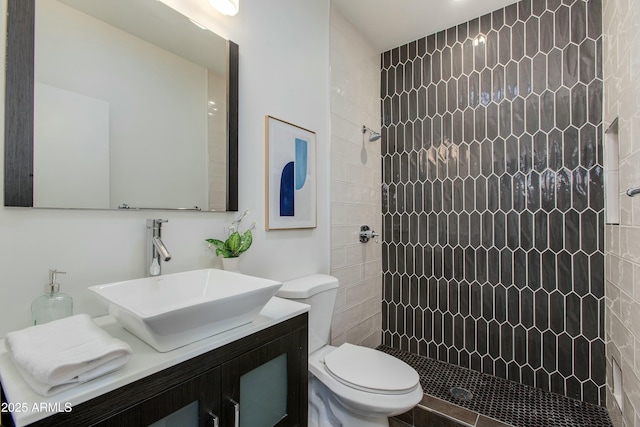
(512, 403)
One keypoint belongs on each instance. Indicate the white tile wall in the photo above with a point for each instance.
(621, 70)
(217, 147)
(355, 185)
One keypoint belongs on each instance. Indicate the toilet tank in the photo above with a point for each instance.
(319, 291)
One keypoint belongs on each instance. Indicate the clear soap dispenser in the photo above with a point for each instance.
(53, 304)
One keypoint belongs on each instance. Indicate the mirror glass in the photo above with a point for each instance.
(130, 108)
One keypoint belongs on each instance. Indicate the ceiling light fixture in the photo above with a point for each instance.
(226, 7)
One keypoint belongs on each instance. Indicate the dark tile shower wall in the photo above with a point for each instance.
(493, 196)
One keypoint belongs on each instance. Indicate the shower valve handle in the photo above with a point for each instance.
(366, 234)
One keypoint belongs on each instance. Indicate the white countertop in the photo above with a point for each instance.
(144, 362)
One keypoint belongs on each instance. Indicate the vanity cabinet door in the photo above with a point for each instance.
(267, 386)
(193, 403)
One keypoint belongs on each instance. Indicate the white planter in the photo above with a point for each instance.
(231, 264)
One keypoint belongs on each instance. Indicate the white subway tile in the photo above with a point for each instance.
(348, 276)
(625, 279)
(356, 195)
(338, 257)
(622, 339)
(357, 294)
(612, 300)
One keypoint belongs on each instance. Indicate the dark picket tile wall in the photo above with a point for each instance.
(493, 202)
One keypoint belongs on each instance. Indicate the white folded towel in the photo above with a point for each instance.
(60, 354)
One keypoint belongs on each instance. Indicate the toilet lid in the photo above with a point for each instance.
(370, 370)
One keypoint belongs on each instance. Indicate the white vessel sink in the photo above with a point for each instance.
(173, 310)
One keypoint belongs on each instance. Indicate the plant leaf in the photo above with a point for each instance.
(226, 253)
(233, 242)
(221, 247)
(247, 239)
(218, 244)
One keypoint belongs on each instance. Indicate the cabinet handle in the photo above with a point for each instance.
(215, 419)
(236, 413)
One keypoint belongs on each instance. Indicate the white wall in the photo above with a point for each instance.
(355, 185)
(284, 72)
(217, 140)
(156, 100)
(621, 70)
(71, 149)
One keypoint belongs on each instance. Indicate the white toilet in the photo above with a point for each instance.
(349, 386)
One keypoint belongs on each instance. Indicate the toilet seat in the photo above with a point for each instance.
(370, 370)
(366, 403)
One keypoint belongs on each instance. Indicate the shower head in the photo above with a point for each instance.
(374, 136)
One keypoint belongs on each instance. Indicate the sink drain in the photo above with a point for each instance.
(461, 394)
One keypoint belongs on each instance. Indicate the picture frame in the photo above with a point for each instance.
(291, 184)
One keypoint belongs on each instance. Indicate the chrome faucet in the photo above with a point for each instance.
(156, 250)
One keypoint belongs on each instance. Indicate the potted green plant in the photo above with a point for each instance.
(236, 244)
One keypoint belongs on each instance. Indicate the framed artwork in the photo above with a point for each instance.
(291, 176)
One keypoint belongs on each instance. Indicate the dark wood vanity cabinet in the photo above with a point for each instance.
(259, 380)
